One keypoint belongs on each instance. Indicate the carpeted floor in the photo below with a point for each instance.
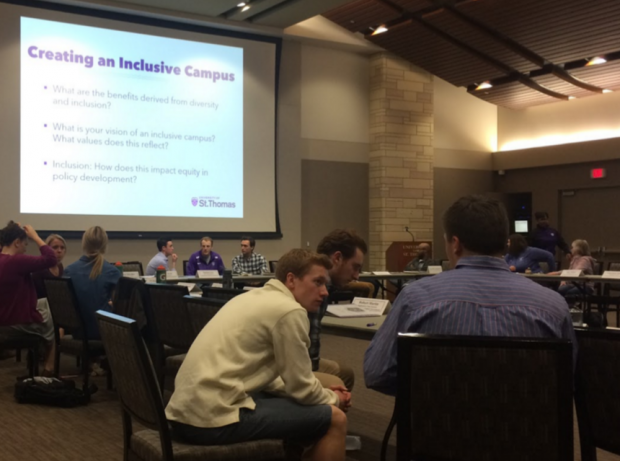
(38, 433)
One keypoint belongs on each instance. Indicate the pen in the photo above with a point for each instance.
(370, 324)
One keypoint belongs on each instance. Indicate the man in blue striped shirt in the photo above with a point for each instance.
(479, 297)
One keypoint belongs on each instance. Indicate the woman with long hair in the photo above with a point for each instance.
(522, 257)
(58, 244)
(20, 311)
(94, 279)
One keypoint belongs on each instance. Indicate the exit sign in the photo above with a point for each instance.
(597, 173)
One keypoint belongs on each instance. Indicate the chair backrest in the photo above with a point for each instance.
(185, 261)
(170, 315)
(360, 289)
(64, 305)
(202, 310)
(598, 268)
(613, 266)
(597, 391)
(272, 266)
(445, 265)
(130, 300)
(133, 266)
(221, 293)
(135, 379)
(484, 398)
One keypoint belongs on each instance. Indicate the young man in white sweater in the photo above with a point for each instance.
(248, 374)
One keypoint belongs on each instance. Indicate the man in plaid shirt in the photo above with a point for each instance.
(249, 262)
(346, 251)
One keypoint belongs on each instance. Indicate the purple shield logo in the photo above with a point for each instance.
(194, 201)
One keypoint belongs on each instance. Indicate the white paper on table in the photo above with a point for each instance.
(132, 274)
(381, 273)
(360, 307)
(435, 269)
(190, 286)
(209, 273)
(171, 275)
(571, 273)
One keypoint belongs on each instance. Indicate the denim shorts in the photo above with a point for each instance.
(273, 418)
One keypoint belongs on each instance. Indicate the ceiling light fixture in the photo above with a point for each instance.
(484, 86)
(596, 60)
(245, 8)
(379, 30)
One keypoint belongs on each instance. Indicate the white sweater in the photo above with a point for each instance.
(257, 342)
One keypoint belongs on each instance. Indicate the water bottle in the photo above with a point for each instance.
(160, 275)
(119, 266)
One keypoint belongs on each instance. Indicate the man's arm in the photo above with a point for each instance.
(264, 268)
(290, 343)
(561, 243)
(192, 267)
(380, 365)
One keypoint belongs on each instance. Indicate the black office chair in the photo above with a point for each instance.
(185, 262)
(202, 310)
(484, 398)
(221, 293)
(272, 266)
(597, 393)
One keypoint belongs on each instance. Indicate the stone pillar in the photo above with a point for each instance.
(401, 154)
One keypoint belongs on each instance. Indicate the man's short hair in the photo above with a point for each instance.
(342, 240)
(299, 262)
(206, 238)
(479, 222)
(252, 241)
(162, 243)
(541, 215)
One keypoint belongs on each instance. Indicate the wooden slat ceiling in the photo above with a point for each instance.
(532, 51)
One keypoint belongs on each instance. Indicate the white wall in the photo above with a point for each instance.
(334, 104)
(594, 117)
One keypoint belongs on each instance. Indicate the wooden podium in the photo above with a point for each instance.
(399, 254)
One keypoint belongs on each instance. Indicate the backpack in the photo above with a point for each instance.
(50, 391)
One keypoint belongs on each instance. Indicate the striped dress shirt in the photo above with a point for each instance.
(480, 297)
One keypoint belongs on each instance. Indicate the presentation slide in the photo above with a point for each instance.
(116, 123)
(141, 126)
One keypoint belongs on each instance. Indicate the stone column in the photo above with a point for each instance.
(401, 154)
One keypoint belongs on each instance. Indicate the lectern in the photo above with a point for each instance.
(399, 254)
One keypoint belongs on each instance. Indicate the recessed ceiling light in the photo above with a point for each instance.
(606, 90)
(484, 86)
(245, 8)
(380, 30)
(570, 98)
(240, 5)
(596, 60)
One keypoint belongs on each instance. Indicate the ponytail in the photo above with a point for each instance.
(94, 244)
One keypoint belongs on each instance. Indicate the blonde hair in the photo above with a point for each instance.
(299, 262)
(50, 238)
(94, 244)
(582, 246)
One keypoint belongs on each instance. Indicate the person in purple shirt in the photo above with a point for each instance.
(545, 237)
(480, 297)
(205, 259)
(521, 257)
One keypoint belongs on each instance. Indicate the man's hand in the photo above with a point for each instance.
(174, 257)
(344, 397)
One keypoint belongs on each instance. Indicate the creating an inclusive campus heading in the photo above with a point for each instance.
(140, 66)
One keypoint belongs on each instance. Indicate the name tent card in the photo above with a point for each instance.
(611, 274)
(571, 273)
(381, 273)
(131, 274)
(207, 274)
(171, 275)
(435, 269)
(360, 307)
(149, 279)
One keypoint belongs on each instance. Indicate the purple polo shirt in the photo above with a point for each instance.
(197, 262)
